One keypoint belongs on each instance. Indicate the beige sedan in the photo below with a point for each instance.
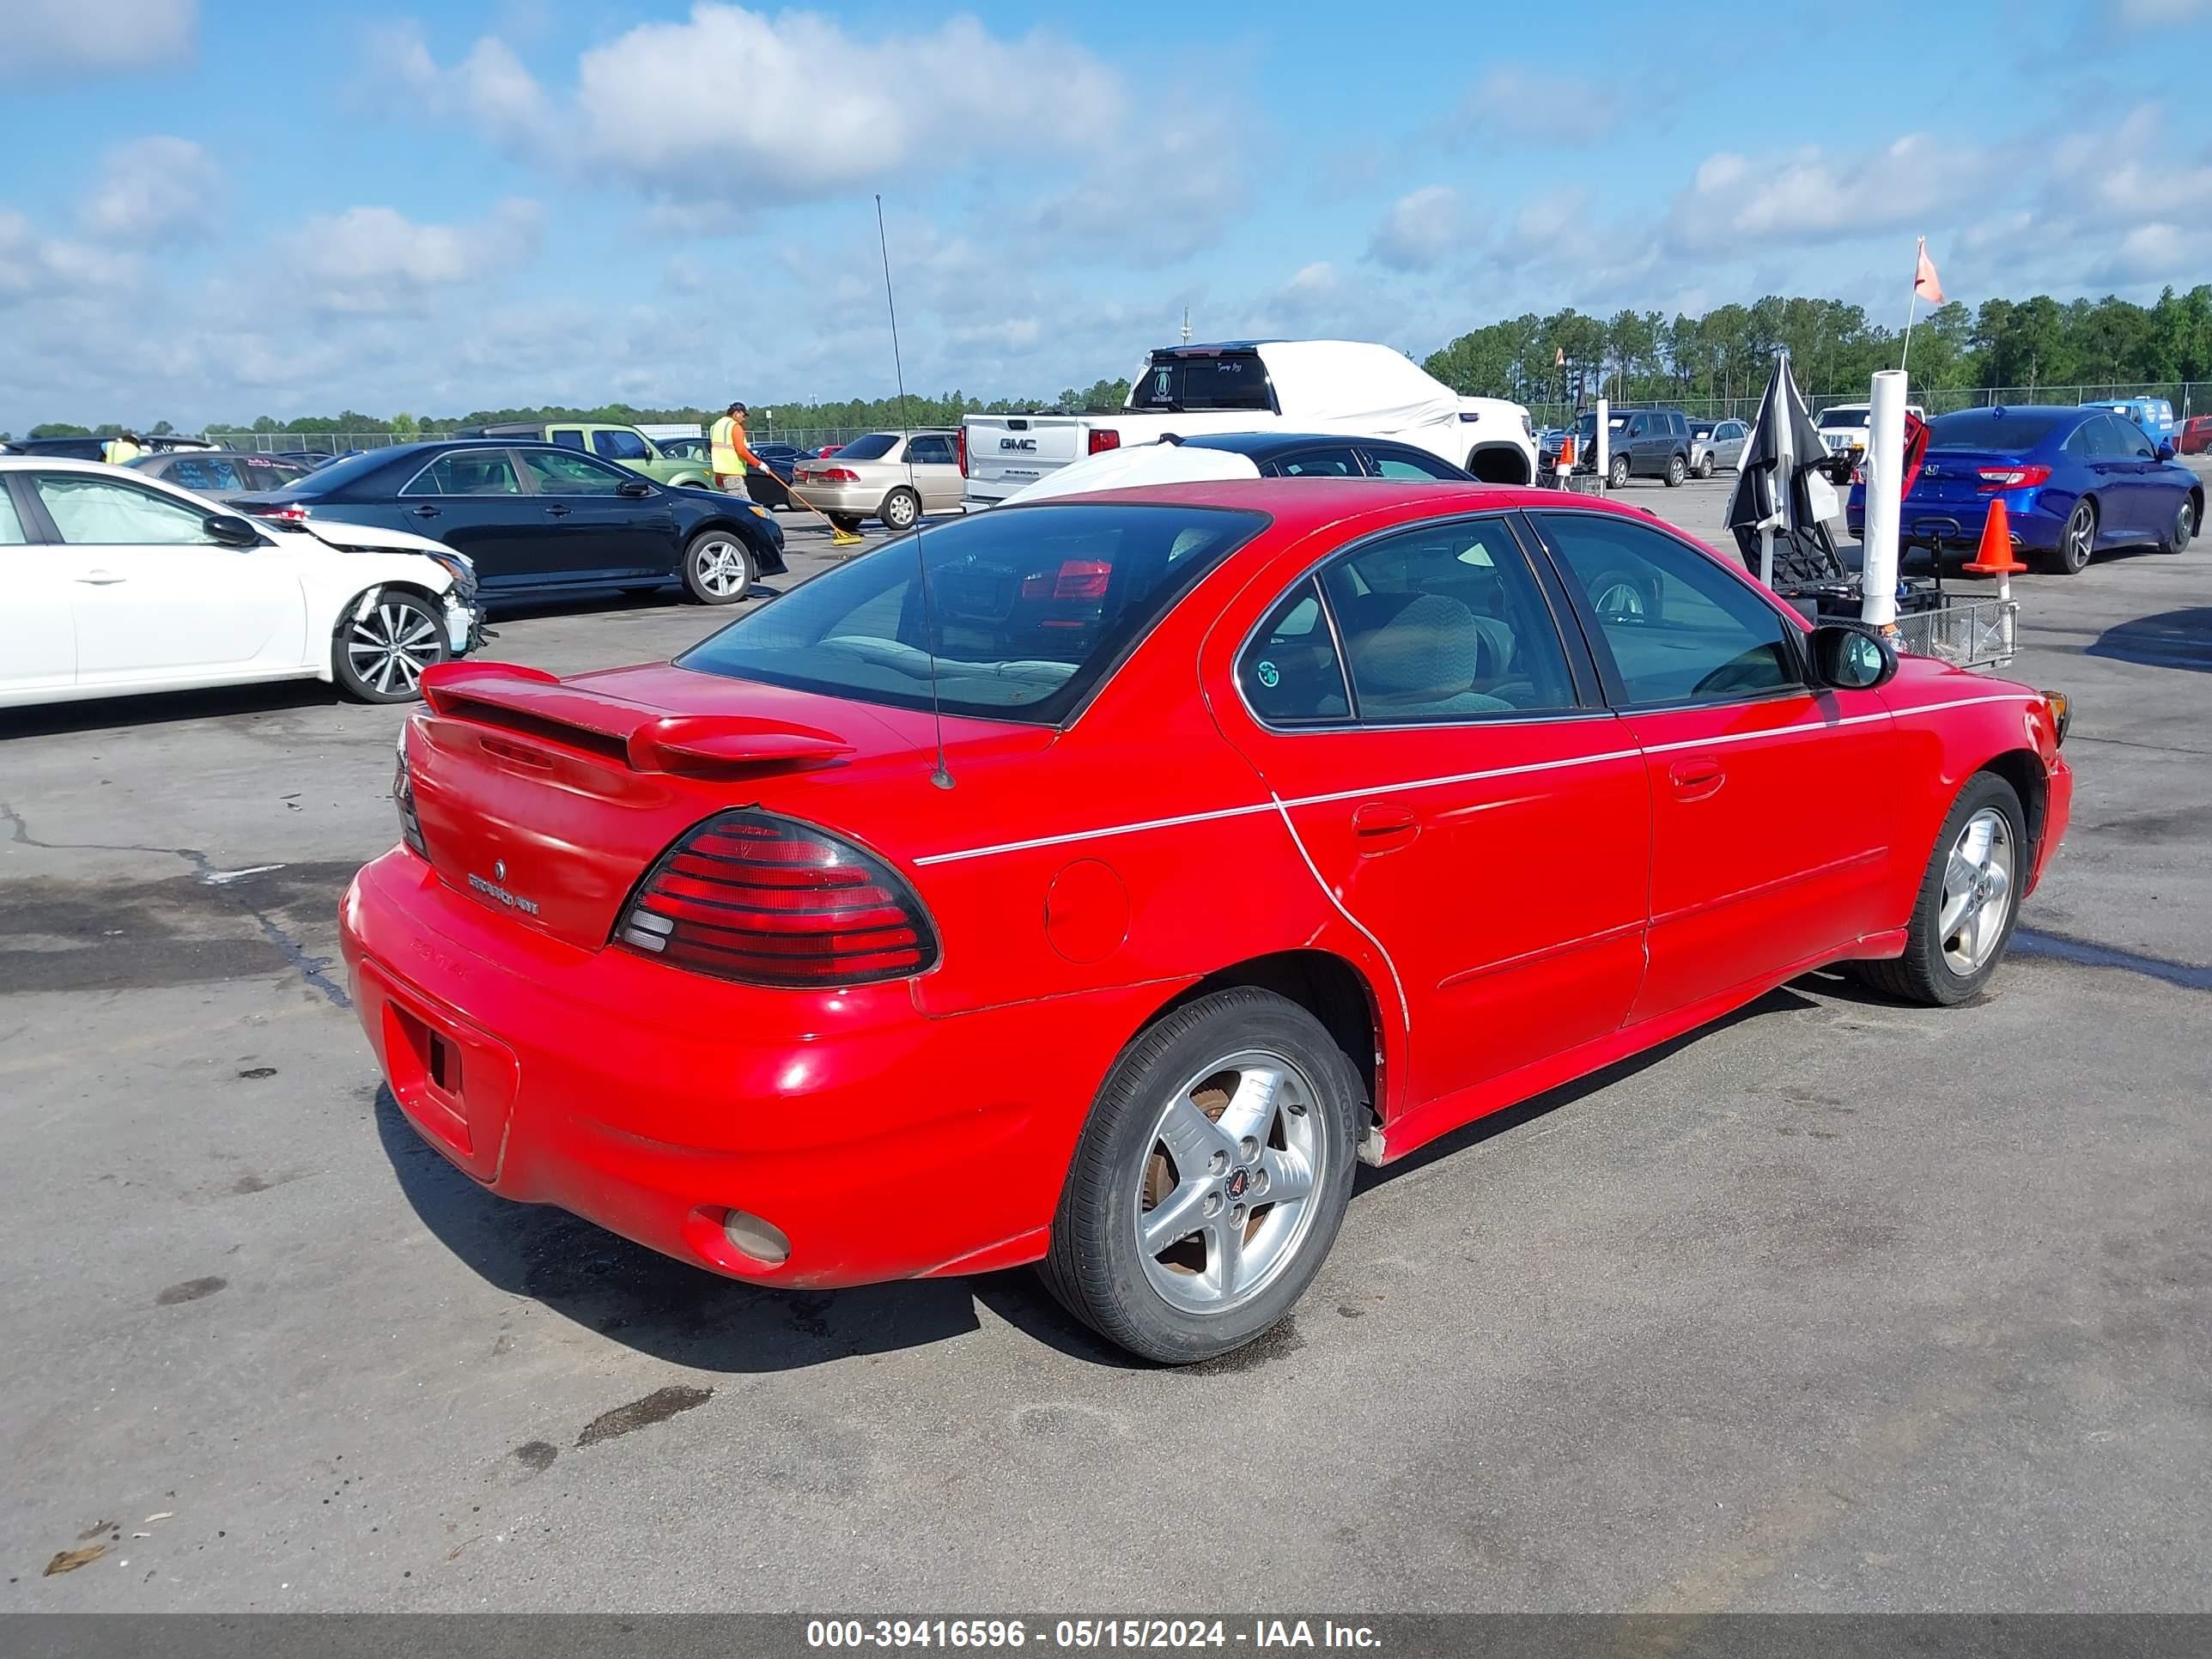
(885, 475)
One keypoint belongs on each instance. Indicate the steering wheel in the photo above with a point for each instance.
(1751, 670)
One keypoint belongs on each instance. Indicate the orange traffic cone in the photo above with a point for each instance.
(1995, 557)
(1567, 453)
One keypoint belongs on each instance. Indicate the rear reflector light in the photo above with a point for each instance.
(1995, 478)
(1103, 438)
(402, 797)
(767, 901)
(961, 444)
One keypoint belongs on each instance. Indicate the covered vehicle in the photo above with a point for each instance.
(1350, 388)
(1243, 455)
(705, 952)
(2075, 481)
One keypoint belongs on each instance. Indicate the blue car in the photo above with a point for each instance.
(2154, 415)
(2074, 482)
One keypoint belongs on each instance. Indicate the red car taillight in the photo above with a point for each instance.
(768, 901)
(402, 797)
(836, 475)
(961, 444)
(1079, 578)
(1995, 478)
(292, 513)
(1103, 438)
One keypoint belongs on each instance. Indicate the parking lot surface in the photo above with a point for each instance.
(1836, 1305)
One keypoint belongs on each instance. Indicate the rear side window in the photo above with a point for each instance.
(931, 452)
(1291, 672)
(1991, 428)
(1321, 463)
(569, 437)
(1446, 622)
(1233, 380)
(1404, 465)
(11, 522)
(467, 472)
(1025, 609)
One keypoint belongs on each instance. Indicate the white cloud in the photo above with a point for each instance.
(1159, 195)
(374, 259)
(153, 190)
(1421, 230)
(1811, 196)
(490, 86)
(35, 266)
(793, 105)
(45, 39)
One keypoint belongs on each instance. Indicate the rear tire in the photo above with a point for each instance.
(1677, 470)
(1189, 1127)
(1952, 945)
(2078, 541)
(899, 509)
(718, 568)
(380, 658)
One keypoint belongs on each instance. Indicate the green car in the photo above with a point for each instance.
(623, 445)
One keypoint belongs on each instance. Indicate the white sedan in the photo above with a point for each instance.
(116, 583)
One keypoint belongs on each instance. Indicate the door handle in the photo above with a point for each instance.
(1694, 780)
(425, 512)
(101, 579)
(1379, 826)
(556, 512)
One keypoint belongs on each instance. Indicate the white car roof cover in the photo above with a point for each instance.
(1351, 381)
(1139, 464)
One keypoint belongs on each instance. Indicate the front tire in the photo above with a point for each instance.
(1969, 900)
(2078, 541)
(380, 658)
(1211, 1179)
(899, 509)
(718, 568)
(1617, 473)
(1677, 470)
(2185, 527)
(1705, 465)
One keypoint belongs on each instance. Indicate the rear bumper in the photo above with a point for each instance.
(2033, 525)
(860, 499)
(882, 1143)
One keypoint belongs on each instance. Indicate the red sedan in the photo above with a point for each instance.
(1270, 826)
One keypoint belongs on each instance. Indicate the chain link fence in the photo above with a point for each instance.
(2183, 395)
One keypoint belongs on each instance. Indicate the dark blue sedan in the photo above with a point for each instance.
(539, 520)
(2074, 482)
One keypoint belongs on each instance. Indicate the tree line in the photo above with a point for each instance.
(1834, 347)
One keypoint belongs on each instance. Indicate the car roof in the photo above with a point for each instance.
(1300, 505)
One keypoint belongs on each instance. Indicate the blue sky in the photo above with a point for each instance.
(227, 210)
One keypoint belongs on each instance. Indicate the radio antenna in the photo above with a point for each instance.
(940, 777)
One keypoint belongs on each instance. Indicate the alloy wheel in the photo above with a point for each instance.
(1226, 1195)
(389, 649)
(721, 564)
(1978, 883)
(2081, 536)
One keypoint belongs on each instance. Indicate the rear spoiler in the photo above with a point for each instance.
(534, 704)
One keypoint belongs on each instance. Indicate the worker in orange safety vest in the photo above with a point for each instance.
(731, 456)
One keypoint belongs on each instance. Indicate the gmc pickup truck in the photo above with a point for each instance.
(1345, 387)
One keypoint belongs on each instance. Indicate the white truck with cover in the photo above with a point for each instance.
(1344, 387)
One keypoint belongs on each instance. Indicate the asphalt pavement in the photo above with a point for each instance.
(1835, 1305)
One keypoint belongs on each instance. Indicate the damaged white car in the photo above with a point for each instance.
(117, 583)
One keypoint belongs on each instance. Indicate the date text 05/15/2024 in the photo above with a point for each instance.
(1087, 1633)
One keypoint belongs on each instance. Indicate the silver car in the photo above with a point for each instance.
(1716, 444)
(891, 476)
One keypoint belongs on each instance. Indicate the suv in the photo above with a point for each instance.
(625, 445)
(1647, 443)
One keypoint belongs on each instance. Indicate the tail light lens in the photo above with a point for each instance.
(403, 798)
(1858, 475)
(960, 444)
(1079, 578)
(291, 513)
(836, 475)
(1103, 438)
(1995, 478)
(768, 901)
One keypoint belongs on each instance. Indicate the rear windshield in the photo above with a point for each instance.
(1991, 428)
(1845, 418)
(1235, 380)
(338, 473)
(1027, 607)
(873, 448)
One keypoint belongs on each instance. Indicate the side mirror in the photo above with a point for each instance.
(1852, 659)
(2166, 449)
(231, 530)
(634, 488)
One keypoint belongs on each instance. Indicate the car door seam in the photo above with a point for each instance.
(1397, 984)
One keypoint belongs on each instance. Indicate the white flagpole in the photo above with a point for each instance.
(1911, 303)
